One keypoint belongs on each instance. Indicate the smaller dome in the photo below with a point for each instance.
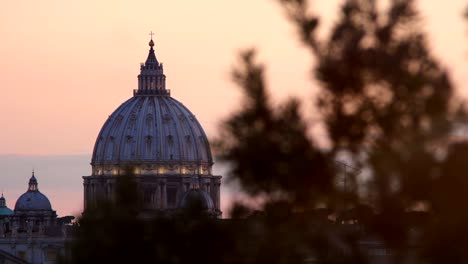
(33, 199)
(196, 199)
(4, 210)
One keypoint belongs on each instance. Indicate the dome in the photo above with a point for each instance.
(152, 128)
(157, 139)
(4, 210)
(33, 199)
(198, 199)
(152, 131)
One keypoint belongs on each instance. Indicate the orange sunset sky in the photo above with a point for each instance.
(66, 65)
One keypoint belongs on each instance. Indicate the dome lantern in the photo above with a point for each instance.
(2, 201)
(32, 186)
(151, 80)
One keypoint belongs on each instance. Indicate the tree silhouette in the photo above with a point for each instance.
(111, 231)
(388, 108)
(385, 100)
(268, 147)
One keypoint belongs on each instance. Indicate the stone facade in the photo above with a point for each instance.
(32, 232)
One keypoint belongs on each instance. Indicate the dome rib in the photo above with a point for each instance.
(194, 148)
(158, 131)
(202, 135)
(177, 130)
(140, 127)
(147, 129)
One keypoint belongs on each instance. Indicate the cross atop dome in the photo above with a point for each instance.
(151, 43)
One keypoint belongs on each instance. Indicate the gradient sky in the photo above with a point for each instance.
(66, 65)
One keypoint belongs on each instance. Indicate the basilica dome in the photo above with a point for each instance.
(152, 131)
(158, 141)
(33, 199)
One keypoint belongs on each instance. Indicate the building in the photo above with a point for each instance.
(31, 233)
(151, 133)
(161, 142)
(33, 210)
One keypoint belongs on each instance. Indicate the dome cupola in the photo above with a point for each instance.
(33, 199)
(151, 80)
(32, 184)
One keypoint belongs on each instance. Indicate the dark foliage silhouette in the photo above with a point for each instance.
(388, 107)
(268, 147)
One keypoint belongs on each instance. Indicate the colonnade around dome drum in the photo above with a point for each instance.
(158, 192)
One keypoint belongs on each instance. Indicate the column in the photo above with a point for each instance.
(92, 196)
(213, 191)
(85, 195)
(164, 195)
(217, 200)
(202, 184)
(158, 196)
(111, 191)
(108, 191)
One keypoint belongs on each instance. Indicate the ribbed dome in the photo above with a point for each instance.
(152, 128)
(152, 131)
(155, 138)
(32, 200)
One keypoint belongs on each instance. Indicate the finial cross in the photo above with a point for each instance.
(151, 34)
